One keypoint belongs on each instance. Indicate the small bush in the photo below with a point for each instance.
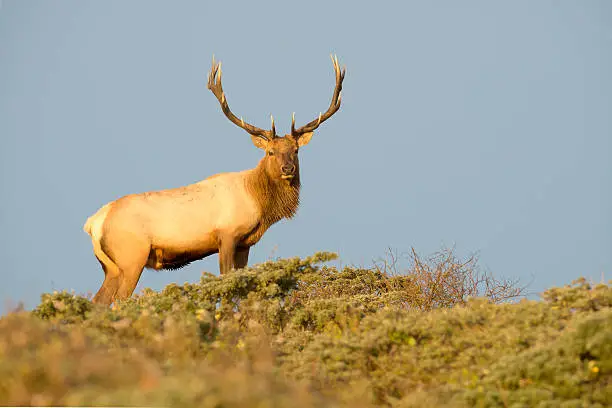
(62, 305)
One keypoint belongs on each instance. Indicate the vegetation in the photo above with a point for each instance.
(295, 333)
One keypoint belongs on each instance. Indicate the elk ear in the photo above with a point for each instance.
(259, 142)
(304, 139)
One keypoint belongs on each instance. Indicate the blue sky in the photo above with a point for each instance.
(484, 125)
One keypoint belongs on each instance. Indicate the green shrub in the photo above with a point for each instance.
(294, 332)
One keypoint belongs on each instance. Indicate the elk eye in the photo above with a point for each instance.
(270, 152)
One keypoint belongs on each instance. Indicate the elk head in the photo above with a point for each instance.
(281, 160)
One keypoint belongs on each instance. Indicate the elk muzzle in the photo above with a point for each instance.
(287, 171)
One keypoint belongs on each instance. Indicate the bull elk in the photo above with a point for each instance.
(226, 213)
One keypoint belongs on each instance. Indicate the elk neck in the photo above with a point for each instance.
(277, 199)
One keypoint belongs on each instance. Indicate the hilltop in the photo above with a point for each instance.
(294, 332)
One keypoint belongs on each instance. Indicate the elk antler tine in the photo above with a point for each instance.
(319, 121)
(242, 121)
(273, 128)
(293, 123)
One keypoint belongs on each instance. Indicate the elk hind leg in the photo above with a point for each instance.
(112, 273)
(131, 268)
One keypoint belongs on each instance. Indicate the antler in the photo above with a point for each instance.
(333, 106)
(214, 84)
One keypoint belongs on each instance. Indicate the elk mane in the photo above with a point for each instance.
(276, 199)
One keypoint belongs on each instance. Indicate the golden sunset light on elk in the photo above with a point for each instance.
(226, 213)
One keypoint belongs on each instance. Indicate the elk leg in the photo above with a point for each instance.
(131, 274)
(227, 255)
(109, 287)
(241, 258)
(130, 253)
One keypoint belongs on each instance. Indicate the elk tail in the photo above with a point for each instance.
(87, 226)
(93, 225)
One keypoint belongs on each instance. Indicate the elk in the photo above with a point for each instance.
(226, 213)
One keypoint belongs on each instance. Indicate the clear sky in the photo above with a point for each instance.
(486, 125)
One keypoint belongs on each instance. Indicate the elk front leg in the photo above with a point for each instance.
(242, 258)
(227, 255)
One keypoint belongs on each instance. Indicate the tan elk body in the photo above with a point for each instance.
(226, 213)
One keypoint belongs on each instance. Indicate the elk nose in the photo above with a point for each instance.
(288, 168)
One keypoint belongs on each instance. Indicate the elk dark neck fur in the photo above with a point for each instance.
(277, 199)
